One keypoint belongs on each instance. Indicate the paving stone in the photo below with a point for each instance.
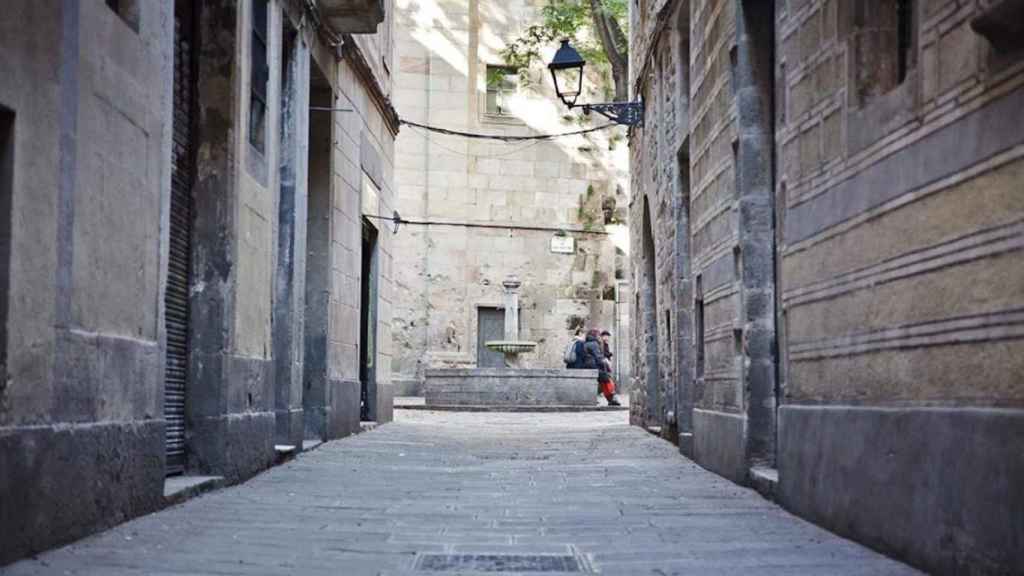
(501, 486)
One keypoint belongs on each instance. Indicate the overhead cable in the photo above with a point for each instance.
(503, 137)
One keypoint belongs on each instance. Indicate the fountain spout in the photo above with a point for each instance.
(511, 346)
(511, 286)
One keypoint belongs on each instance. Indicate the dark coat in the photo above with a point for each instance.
(592, 353)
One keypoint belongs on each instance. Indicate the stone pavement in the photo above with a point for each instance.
(463, 493)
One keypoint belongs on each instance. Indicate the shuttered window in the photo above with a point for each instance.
(176, 295)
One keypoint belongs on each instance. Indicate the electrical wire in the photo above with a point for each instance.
(397, 220)
(433, 141)
(502, 137)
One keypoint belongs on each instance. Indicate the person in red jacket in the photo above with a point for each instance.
(594, 359)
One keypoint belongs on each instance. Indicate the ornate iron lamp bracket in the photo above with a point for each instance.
(625, 113)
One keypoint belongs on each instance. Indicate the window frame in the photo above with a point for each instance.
(259, 74)
(501, 91)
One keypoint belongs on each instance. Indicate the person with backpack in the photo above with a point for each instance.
(607, 386)
(573, 356)
(594, 359)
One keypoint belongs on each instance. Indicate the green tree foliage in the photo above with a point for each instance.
(595, 28)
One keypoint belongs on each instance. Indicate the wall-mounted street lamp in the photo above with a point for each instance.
(567, 72)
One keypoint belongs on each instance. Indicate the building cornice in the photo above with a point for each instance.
(661, 23)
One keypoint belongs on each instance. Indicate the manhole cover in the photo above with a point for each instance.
(498, 563)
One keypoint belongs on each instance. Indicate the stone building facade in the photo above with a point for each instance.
(183, 246)
(828, 261)
(496, 208)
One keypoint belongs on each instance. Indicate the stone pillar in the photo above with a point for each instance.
(755, 69)
(511, 285)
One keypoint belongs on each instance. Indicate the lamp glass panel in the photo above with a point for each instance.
(569, 81)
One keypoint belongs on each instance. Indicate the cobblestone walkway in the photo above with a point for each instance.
(458, 493)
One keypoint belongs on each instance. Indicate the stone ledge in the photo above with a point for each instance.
(765, 480)
(178, 489)
(538, 408)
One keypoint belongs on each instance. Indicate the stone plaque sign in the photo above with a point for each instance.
(563, 245)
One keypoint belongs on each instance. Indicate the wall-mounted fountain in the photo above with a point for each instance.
(511, 346)
(515, 385)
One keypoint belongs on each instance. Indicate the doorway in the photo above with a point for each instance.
(368, 323)
(649, 310)
(490, 325)
(179, 268)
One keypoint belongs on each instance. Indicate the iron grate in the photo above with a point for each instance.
(498, 563)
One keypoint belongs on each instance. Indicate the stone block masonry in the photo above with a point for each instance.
(85, 178)
(448, 277)
(509, 387)
(842, 294)
(156, 172)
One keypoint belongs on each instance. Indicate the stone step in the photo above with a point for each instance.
(178, 489)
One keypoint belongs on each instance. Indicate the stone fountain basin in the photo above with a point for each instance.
(510, 346)
(510, 387)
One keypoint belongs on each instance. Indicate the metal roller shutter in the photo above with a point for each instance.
(176, 297)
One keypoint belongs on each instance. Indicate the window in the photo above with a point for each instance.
(886, 45)
(258, 77)
(905, 34)
(698, 326)
(782, 94)
(387, 47)
(128, 10)
(502, 84)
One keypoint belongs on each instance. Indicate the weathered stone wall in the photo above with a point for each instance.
(688, 184)
(366, 188)
(85, 186)
(351, 178)
(444, 273)
(855, 255)
(81, 429)
(901, 277)
(654, 234)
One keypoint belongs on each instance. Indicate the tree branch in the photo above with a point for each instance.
(605, 27)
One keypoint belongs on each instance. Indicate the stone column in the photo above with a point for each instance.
(511, 285)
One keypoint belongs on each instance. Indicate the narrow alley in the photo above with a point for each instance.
(642, 287)
(466, 493)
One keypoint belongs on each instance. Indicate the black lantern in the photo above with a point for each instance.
(567, 73)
